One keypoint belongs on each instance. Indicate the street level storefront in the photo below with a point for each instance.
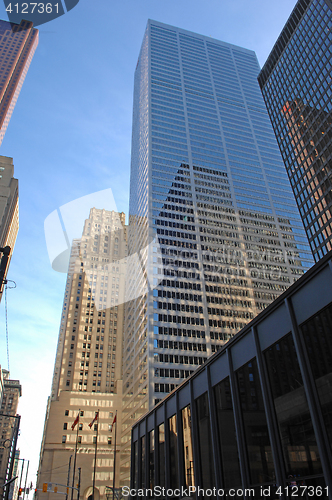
(257, 416)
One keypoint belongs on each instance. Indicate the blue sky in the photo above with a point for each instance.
(70, 135)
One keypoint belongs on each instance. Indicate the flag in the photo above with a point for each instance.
(94, 420)
(114, 420)
(75, 422)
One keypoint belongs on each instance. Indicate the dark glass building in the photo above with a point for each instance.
(296, 85)
(258, 415)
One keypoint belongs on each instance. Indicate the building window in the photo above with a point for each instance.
(65, 426)
(161, 440)
(188, 447)
(205, 441)
(66, 413)
(227, 434)
(174, 478)
(294, 421)
(64, 439)
(151, 459)
(256, 435)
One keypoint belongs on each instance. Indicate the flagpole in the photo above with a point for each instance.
(74, 467)
(94, 468)
(114, 461)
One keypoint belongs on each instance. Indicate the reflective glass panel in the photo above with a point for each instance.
(143, 485)
(317, 333)
(205, 442)
(161, 454)
(295, 426)
(188, 447)
(227, 436)
(261, 464)
(135, 475)
(173, 459)
(151, 459)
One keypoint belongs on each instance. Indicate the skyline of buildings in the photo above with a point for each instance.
(211, 212)
(88, 366)
(296, 86)
(18, 43)
(213, 229)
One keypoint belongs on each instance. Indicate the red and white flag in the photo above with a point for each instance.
(94, 420)
(114, 420)
(75, 422)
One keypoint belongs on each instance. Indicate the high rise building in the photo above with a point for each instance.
(18, 43)
(212, 215)
(12, 391)
(9, 221)
(296, 85)
(88, 367)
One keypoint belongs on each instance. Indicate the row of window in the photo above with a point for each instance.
(179, 332)
(185, 320)
(185, 346)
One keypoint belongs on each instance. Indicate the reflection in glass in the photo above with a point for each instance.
(205, 442)
(161, 454)
(227, 435)
(261, 464)
(295, 426)
(173, 453)
(317, 333)
(135, 464)
(151, 459)
(188, 447)
(143, 462)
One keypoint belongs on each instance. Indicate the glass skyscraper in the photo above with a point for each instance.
(296, 85)
(212, 217)
(18, 43)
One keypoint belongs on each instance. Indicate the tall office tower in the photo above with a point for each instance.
(211, 214)
(296, 85)
(88, 367)
(8, 425)
(9, 221)
(18, 43)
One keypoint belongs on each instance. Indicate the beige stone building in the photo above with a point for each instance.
(12, 391)
(88, 367)
(9, 221)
